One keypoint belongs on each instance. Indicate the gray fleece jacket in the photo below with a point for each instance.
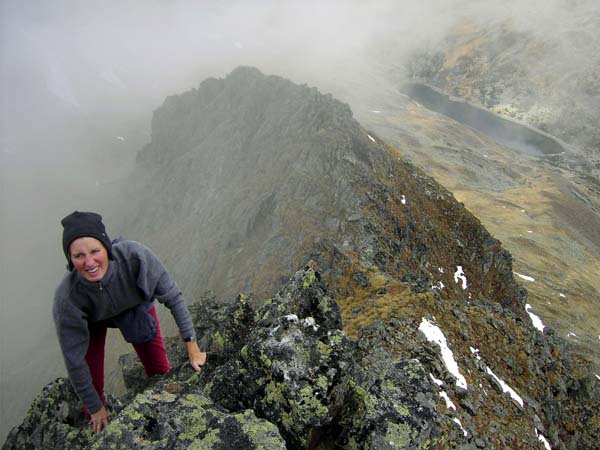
(134, 279)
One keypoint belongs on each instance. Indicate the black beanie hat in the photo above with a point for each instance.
(83, 224)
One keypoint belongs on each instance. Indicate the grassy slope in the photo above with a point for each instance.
(542, 214)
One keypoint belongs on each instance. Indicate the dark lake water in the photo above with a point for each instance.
(505, 132)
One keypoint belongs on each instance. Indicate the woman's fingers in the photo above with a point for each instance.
(100, 420)
(198, 360)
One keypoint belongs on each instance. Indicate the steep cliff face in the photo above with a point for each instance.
(406, 330)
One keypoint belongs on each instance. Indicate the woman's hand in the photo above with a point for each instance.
(100, 419)
(197, 358)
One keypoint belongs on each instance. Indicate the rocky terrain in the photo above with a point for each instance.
(407, 329)
(285, 375)
(547, 216)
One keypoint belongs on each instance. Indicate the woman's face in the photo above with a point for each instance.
(89, 257)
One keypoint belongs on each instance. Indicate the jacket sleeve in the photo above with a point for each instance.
(73, 337)
(154, 280)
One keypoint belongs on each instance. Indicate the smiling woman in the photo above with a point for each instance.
(112, 285)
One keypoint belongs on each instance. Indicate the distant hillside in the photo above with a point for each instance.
(549, 80)
(539, 72)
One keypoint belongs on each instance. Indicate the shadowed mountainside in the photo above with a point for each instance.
(254, 174)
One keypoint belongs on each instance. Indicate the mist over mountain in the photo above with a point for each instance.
(549, 81)
(264, 173)
(256, 175)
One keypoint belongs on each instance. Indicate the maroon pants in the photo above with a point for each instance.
(153, 355)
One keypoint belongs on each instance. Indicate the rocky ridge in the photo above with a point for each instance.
(285, 375)
(268, 175)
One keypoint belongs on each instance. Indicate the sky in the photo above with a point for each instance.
(79, 81)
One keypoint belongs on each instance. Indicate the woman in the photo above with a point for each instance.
(112, 285)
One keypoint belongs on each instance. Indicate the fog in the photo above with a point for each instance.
(79, 82)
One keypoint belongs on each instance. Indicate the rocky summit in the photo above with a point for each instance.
(404, 327)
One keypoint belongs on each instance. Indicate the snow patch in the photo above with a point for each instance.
(371, 137)
(436, 381)
(439, 285)
(571, 334)
(440, 269)
(537, 322)
(562, 295)
(597, 376)
(434, 334)
(543, 440)
(403, 199)
(121, 138)
(505, 387)
(530, 231)
(525, 277)
(457, 420)
(449, 403)
(291, 318)
(310, 322)
(376, 111)
(460, 275)
(475, 351)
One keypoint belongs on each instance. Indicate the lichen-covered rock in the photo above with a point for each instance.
(176, 416)
(285, 375)
(300, 371)
(55, 421)
(397, 410)
(169, 415)
(290, 361)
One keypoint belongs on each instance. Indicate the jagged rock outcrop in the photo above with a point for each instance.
(282, 374)
(295, 368)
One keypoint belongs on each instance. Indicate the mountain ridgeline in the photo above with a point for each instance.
(252, 175)
(401, 325)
